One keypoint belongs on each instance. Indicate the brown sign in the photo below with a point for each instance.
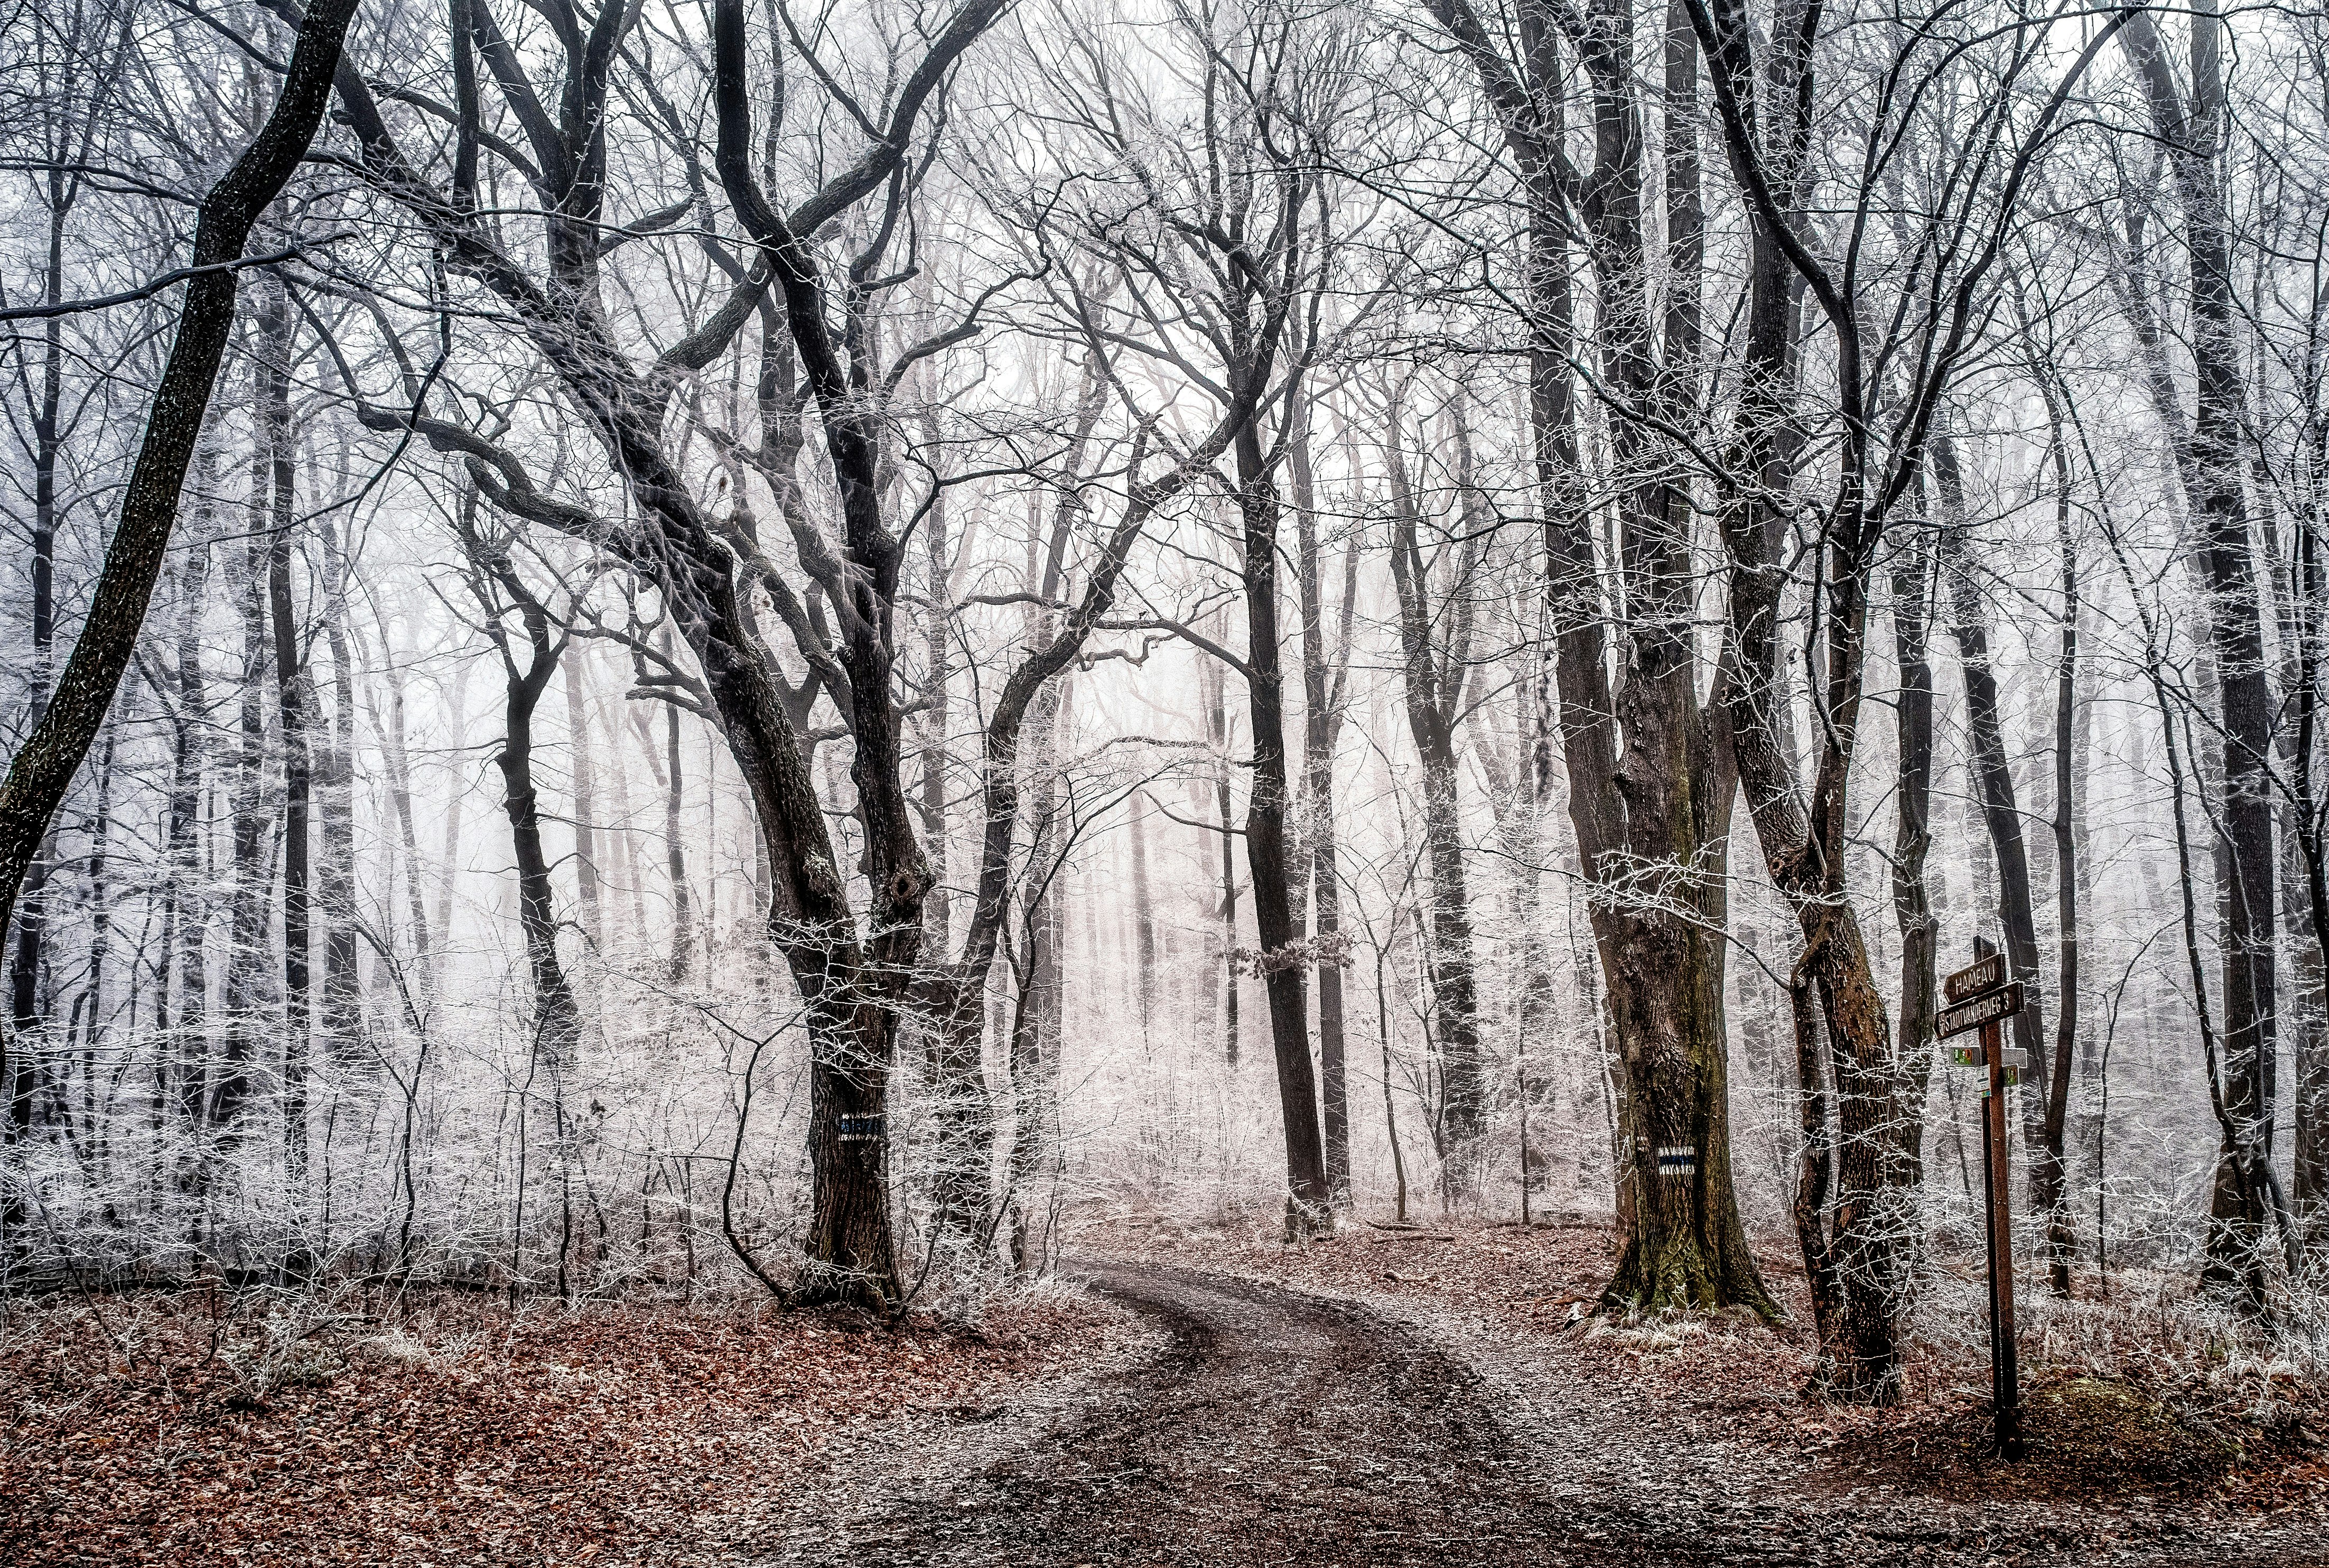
(1986, 1008)
(1974, 978)
(1983, 999)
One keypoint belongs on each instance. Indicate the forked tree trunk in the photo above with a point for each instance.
(557, 1033)
(852, 979)
(950, 995)
(1853, 1206)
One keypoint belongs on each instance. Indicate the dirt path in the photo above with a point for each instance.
(1272, 1426)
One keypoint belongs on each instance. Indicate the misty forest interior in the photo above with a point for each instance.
(1184, 781)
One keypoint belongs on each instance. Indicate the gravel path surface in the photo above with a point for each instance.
(1264, 1425)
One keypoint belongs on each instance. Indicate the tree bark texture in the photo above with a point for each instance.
(1646, 773)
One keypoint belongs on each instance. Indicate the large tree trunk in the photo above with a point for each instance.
(1646, 774)
(1645, 791)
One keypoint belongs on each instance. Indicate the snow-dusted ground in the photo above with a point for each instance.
(1259, 1423)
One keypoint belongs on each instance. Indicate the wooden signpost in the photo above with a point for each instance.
(1981, 1013)
(1983, 1000)
(1984, 974)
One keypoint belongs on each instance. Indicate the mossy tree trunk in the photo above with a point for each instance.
(1649, 783)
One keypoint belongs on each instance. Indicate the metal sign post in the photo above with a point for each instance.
(1984, 999)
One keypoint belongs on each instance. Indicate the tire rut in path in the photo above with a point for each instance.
(1275, 1428)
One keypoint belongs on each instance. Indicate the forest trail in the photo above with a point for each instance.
(1274, 1426)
